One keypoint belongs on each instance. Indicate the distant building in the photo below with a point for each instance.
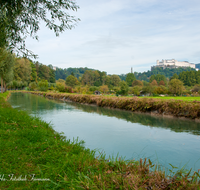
(172, 63)
(54, 68)
(96, 92)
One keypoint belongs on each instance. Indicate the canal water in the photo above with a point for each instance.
(119, 133)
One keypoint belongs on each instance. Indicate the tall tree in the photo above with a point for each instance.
(115, 80)
(21, 18)
(130, 77)
(71, 81)
(52, 76)
(7, 60)
(33, 72)
(22, 70)
(176, 86)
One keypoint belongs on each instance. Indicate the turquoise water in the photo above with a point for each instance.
(120, 133)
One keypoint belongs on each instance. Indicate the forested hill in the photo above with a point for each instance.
(168, 73)
(64, 73)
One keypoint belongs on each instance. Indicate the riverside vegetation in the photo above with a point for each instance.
(34, 156)
(173, 107)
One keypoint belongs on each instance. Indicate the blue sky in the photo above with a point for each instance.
(115, 35)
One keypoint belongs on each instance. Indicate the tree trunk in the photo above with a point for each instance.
(1, 84)
(5, 86)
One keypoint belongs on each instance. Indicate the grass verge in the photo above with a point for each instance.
(34, 156)
(176, 98)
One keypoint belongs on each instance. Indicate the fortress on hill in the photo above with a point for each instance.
(172, 63)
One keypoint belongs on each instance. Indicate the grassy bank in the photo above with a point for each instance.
(178, 108)
(34, 156)
(177, 98)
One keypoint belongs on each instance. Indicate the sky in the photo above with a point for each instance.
(115, 35)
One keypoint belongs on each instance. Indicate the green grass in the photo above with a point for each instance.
(34, 156)
(175, 98)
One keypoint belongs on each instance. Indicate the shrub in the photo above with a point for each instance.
(32, 86)
(160, 90)
(43, 85)
(68, 89)
(136, 90)
(93, 88)
(60, 86)
(71, 81)
(104, 88)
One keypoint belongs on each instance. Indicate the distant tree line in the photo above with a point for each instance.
(64, 73)
(168, 73)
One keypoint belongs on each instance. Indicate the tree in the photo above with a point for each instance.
(32, 85)
(154, 83)
(21, 18)
(136, 90)
(130, 77)
(52, 78)
(43, 85)
(137, 83)
(161, 83)
(33, 72)
(22, 69)
(7, 60)
(71, 81)
(176, 86)
(153, 77)
(160, 90)
(60, 86)
(104, 88)
(115, 80)
(123, 88)
(175, 76)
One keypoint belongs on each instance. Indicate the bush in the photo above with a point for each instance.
(68, 89)
(60, 86)
(43, 85)
(32, 86)
(93, 88)
(104, 88)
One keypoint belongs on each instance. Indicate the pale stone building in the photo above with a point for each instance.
(172, 63)
(175, 63)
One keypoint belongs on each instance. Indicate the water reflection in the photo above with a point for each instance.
(34, 104)
(174, 124)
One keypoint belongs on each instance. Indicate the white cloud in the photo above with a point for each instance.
(115, 35)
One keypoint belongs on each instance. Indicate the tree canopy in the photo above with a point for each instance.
(7, 60)
(21, 18)
(176, 86)
(130, 78)
(71, 81)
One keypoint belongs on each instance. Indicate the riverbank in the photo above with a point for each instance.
(37, 157)
(161, 107)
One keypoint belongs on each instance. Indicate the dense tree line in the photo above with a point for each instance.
(168, 73)
(64, 73)
(189, 78)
